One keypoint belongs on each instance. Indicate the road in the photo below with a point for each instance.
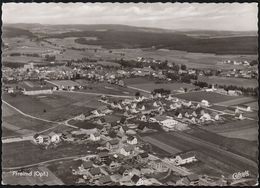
(44, 162)
(29, 137)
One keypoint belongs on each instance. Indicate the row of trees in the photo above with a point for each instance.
(25, 54)
(245, 90)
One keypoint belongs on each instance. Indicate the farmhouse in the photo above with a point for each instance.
(244, 108)
(185, 158)
(94, 136)
(54, 137)
(131, 140)
(205, 103)
(112, 144)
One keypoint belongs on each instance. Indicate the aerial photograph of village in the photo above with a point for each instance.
(155, 94)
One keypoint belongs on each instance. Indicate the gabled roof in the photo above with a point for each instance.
(144, 155)
(135, 178)
(129, 148)
(105, 179)
(113, 141)
(103, 154)
(130, 138)
(193, 177)
(187, 155)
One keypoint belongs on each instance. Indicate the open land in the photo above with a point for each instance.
(229, 81)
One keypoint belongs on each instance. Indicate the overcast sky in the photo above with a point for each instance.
(222, 16)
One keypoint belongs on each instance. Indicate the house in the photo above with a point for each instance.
(186, 115)
(81, 117)
(38, 138)
(113, 165)
(112, 144)
(239, 116)
(103, 156)
(158, 165)
(191, 179)
(142, 108)
(185, 158)
(97, 113)
(87, 165)
(155, 104)
(94, 136)
(105, 180)
(54, 137)
(205, 117)
(143, 118)
(179, 116)
(131, 140)
(205, 103)
(124, 170)
(101, 121)
(142, 157)
(95, 173)
(127, 150)
(244, 108)
(137, 180)
(194, 114)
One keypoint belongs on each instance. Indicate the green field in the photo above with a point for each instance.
(203, 95)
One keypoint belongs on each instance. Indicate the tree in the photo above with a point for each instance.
(183, 67)
(137, 94)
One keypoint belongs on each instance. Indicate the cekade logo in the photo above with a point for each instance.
(239, 175)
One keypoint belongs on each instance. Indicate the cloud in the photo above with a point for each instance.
(221, 16)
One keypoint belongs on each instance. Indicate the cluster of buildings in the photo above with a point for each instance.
(234, 62)
(238, 73)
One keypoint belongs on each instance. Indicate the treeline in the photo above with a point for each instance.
(161, 91)
(24, 54)
(245, 90)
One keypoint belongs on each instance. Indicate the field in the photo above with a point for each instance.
(9, 179)
(105, 88)
(246, 129)
(58, 106)
(242, 147)
(169, 86)
(203, 95)
(229, 81)
(237, 101)
(210, 155)
(253, 105)
(14, 124)
(11, 153)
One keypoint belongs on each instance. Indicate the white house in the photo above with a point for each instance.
(94, 136)
(155, 104)
(38, 138)
(244, 108)
(131, 140)
(179, 116)
(184, 158)
(143, 108)
(54, 137)
(143, 118)
(127, 150)
(169, 123)
(205, 103)
(205, 117)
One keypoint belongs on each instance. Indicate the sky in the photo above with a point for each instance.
(176, 16)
